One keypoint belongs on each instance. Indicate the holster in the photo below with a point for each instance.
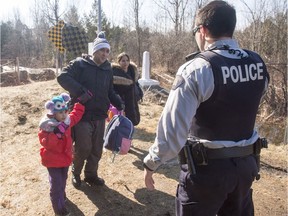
(193, 153)
(258, 145)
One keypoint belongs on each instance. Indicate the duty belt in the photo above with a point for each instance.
(201, 154)
(229, 152)
(195, 153)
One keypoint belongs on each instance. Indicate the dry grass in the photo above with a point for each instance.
(24, 181)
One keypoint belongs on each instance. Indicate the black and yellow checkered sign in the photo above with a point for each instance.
(74, 40)
(55, 35)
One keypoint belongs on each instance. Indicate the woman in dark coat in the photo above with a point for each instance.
(125, 81)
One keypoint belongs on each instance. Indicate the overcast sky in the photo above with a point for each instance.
(113, 9)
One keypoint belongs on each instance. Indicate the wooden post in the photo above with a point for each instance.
(99, 17)
(57, 56)
(17, 70)
(286, 133)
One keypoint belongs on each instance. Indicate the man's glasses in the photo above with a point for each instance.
(196, 29)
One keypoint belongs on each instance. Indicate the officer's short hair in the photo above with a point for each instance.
(218, 17)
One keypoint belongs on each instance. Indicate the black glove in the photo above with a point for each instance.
(121, 108)
(60, 129)
(83, 98)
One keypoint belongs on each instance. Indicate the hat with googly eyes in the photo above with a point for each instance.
(58, 103)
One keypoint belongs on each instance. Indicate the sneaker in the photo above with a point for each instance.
(94, 181)
(76, 180)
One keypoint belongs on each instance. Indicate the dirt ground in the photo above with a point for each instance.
(24, 186)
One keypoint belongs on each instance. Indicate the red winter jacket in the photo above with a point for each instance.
(57, 152)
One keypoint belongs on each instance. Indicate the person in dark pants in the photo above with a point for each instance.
(125, 81)
(93, 77)
(56, 151)
(209, 121)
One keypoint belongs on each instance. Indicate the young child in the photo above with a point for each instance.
(56, 151)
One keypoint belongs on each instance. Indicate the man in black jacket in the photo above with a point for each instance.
(89, 79)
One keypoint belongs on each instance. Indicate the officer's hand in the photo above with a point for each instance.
(149, 182)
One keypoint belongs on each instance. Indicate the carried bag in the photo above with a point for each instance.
(111, 112)
(118, 135)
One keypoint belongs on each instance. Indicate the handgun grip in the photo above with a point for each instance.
(189, 158)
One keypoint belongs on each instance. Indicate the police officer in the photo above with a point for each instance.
(213, 104)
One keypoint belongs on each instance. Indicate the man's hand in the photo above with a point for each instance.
(87, 95)
(121, 107)
(149, 182)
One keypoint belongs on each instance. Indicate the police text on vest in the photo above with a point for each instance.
(239, 74)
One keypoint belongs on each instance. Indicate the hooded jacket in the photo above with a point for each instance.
(82, 73)
(124, 84)
(57, 152)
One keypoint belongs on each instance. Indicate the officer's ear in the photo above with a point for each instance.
(204, 30)
(205, 33)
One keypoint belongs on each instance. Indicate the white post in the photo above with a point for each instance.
(146, 66)
(145, 79)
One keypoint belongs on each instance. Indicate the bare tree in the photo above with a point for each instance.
(51, 11)
(257, 15)
(266, 35)
(43, 46)
(136, 10)
(72, 17)
(176, 10)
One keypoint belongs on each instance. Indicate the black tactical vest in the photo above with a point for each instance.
(230, 113)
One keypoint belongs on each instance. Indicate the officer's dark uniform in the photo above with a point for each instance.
(217, 96)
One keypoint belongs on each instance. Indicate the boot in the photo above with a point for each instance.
(94, 181)
(76, 180)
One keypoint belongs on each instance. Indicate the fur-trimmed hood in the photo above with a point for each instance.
(120, 77)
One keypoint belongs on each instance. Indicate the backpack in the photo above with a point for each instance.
(118, 135)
